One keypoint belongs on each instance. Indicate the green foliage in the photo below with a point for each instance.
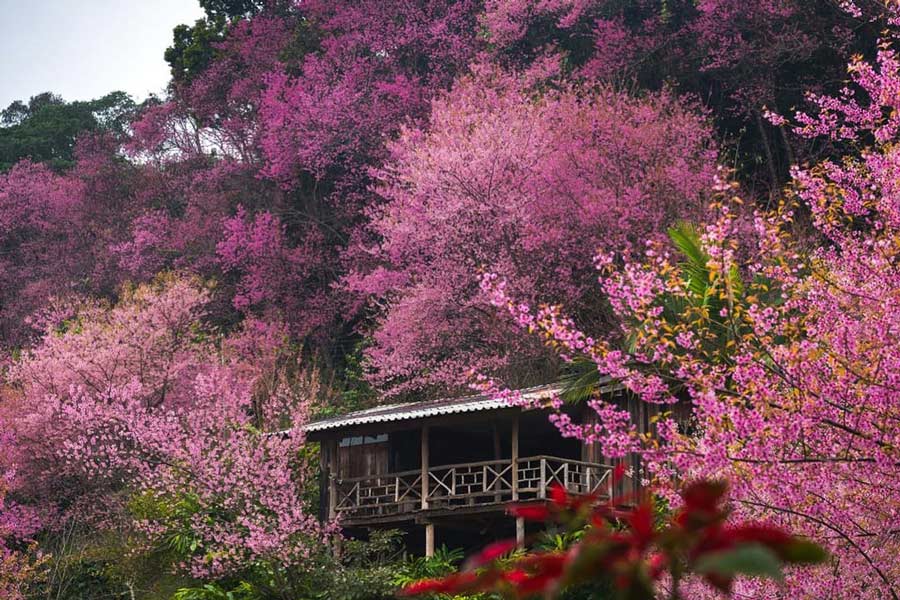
(230, 9)
(86, 579)
(211, 591)
(176, 513)
(83, 564)
(554, 539)
(46, 129)
(580, 380)
(384, 547)
(444, 562)
(709, 294)
(366, 570)
(192, 48)
(358, 392)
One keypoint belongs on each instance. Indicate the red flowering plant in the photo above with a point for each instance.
(640, 554)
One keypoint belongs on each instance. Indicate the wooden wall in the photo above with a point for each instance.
(644, 415)
(359, 456)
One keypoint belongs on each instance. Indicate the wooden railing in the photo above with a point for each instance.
(466, 484)
(537, 474)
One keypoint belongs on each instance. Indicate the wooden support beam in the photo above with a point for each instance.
(425, 467)
(495, 432)
(429, 540)
(496, 485)
(514, 453)
(520, 532)
(331, 465)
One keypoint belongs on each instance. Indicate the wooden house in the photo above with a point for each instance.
(449, 468)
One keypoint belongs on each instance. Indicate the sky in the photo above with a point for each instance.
(84, 49)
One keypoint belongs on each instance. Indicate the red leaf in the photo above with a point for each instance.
(559, 496)
(453, 584)
(618, 473)
(657, 563)
(641, 522)
(579, 502)
(492, 552)
(623, 581)
(538, 572)
(516, 576)
(425, 586)
(536, 583)
(774, 538)
(531, 513)
(703, 495)
(545, 562)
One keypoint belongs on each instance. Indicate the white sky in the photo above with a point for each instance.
(84, 49)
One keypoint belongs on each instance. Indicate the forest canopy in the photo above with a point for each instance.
(343, 202)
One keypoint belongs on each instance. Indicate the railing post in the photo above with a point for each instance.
(425, 468)
(542, 488)
(566, 475)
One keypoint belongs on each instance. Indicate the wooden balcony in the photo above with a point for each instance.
(464, 487)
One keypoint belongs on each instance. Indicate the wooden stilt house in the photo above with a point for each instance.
(450, 467)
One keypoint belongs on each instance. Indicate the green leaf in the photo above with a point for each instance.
(754, 560)
(804, 552)
(580, 381)
(686, 238)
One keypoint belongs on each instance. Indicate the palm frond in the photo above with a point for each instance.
(695, 264)
(579, 381)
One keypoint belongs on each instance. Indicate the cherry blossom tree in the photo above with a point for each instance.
(737, 56)
(139, 405)
(275, 137)
(55, 231)
(785, 352)
(18, 570)
(533, 182)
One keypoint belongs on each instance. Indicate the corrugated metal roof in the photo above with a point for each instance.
(428, 408)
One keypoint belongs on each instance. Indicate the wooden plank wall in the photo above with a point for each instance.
(644, 415)
(359, 460)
